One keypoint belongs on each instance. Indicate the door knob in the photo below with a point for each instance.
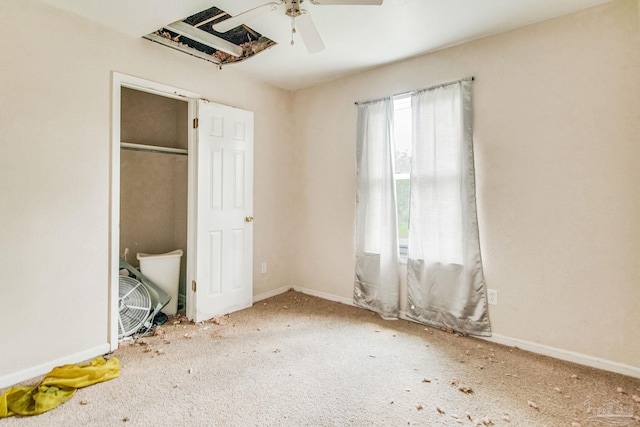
(249, 219)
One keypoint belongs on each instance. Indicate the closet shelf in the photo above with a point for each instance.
(153, 148)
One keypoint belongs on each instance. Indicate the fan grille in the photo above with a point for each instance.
(134, 305)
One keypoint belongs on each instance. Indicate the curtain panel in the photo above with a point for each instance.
(446, 286)
(377, 276)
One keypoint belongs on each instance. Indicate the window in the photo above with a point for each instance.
(441, 182)
(420, 147)
(402, 140)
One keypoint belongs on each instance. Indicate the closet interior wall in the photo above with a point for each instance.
(153, 185)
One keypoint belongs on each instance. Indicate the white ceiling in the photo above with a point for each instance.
(356, 37)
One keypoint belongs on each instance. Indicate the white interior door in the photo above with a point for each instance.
(224, 236)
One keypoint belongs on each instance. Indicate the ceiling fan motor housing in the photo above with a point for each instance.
(293, 8)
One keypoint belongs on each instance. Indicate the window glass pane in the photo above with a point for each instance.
(402, 194)
(402, 134)
(402, 141)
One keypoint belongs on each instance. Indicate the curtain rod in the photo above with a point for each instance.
(467, 79)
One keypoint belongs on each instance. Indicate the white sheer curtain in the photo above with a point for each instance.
(445, 278)
(377, 277)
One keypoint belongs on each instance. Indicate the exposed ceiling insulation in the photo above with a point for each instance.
(195, 35)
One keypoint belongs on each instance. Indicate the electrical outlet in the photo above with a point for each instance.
(492, 296)
(263, 268)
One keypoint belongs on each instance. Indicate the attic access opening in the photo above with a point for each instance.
(195, 35)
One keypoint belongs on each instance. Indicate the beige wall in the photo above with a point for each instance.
(55, 106)
(557, 145)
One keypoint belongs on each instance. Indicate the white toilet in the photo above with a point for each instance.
(164, 271)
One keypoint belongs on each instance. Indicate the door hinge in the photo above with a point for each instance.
(195, 123)
(193, 285)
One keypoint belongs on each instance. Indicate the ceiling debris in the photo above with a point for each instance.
(195, 35)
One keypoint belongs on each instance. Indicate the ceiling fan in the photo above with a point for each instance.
(300, 19)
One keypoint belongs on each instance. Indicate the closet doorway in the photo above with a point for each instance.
(151, 190)
(180, 184)
(154, 139)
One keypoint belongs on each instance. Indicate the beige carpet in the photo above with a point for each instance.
(296, 360)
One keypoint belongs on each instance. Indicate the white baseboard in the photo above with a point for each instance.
(306, 291)
(26, 374)
(569, 356)
(270, 294)
(558, 353)
(323, 295)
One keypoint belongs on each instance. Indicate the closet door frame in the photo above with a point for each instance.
(118, 81)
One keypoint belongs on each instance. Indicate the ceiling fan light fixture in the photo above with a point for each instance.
(293, 8)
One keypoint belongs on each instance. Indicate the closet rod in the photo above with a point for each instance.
(153, 148)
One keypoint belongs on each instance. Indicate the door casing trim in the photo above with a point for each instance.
(119, 80)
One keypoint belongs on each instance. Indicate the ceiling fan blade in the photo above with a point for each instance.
(308, 32)
(348, 2)
(244, 17)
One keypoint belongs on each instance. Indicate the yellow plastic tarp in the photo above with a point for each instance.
(57, 387)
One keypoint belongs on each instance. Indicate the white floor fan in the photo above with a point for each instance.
(139, 301)
(300, 19)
